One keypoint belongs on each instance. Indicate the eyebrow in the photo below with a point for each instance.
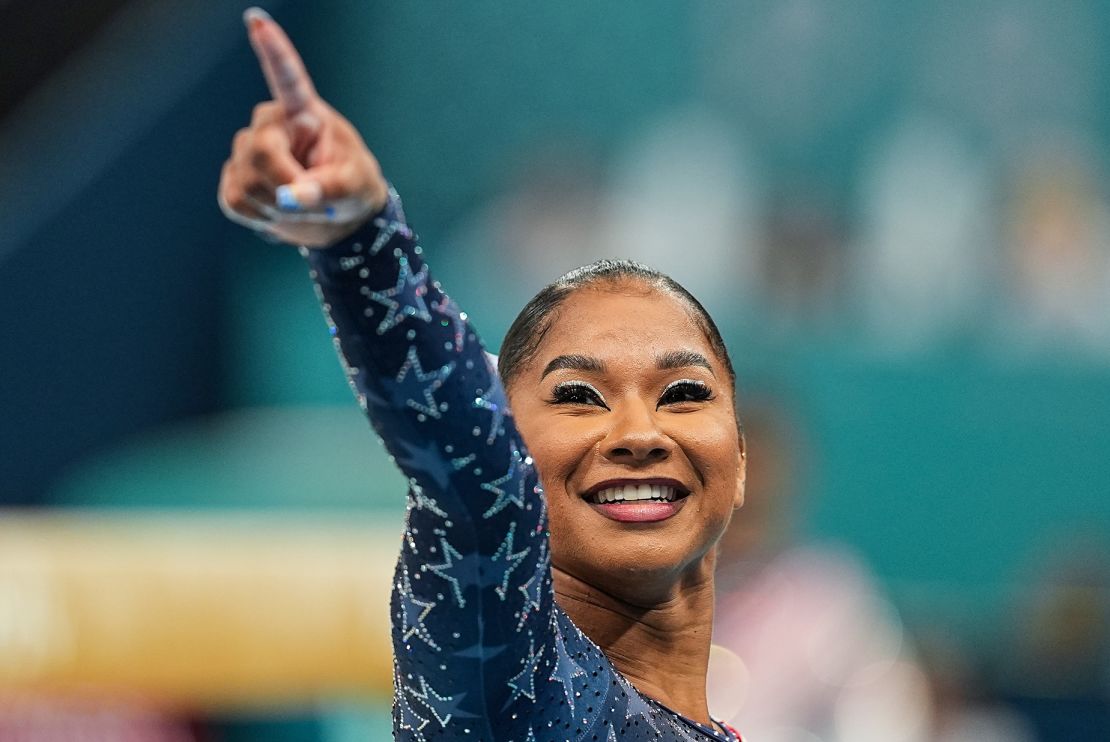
(574, 362)
(682, 359)
(667, 361)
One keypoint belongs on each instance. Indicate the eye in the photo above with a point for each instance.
(578, 393)
(685, 390)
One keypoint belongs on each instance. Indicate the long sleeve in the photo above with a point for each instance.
(481, 650)
(472, 605)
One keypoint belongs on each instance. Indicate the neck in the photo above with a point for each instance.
(672, 632)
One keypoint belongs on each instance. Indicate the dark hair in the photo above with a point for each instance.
(528, 329)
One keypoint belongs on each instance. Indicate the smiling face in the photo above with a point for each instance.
(628, 413)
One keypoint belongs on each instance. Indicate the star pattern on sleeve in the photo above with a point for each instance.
(532, 589)
(509, 488)
(458, 570)
(415, 388)
(460, 462)
(421, 501)
(427, 459)
(500, 566)
(405, 299)
(524, 682)
(414, 611)
(480, 651)
(493, 400)
(455, 316)
(407, 718)
(443, 708)
(386, 229)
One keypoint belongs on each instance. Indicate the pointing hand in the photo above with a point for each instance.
(299, 172)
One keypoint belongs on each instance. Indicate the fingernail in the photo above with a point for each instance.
(286, 200)
(255, 13)
(305, 194)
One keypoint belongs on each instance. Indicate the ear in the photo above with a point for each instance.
(741, 473)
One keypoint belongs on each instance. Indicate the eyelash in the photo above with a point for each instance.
(579, 392)
(685, 390)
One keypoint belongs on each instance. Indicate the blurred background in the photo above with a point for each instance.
(897, 212)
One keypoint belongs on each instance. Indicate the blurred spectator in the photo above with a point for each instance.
(683, 198)
(803, 261)
(816, 652)
(1063, 624)
(1056, 251)
(926, 218)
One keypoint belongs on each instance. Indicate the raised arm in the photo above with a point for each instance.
(472, 606)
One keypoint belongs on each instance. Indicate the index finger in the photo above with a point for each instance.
(285, 72)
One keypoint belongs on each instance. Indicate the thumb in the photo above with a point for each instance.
(303, 193)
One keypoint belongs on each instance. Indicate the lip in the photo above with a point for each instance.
(642, 511)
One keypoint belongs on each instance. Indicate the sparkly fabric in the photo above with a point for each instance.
(482, 651)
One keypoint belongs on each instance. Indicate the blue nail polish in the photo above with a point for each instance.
(286, 201)
(329, 212)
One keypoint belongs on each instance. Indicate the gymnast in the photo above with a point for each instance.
(622, 434)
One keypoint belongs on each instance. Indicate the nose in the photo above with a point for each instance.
(635, 437)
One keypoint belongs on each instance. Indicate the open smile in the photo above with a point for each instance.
(637, 500)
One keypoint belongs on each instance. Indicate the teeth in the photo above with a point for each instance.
(632, 492)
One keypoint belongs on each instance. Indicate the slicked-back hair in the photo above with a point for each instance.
(528, 329)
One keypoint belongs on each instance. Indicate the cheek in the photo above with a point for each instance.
(714, 453)
(558, 445)
(714, 444)
(560, 456)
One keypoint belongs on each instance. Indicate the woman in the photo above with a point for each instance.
(622, 390)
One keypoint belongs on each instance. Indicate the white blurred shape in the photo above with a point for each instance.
(683, 199)
(858, 642)
(812, 629)
(893, 708)
(34, 633)
(726, 683)
(784, 734)
(986, 724)
(925, 203)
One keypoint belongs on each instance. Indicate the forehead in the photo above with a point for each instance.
(631, 322)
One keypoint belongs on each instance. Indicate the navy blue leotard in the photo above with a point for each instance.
(481, 649)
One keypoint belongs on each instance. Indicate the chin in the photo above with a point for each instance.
(633, 566)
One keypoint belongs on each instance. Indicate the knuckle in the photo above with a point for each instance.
(259, 110)
(236, 199)
(261, 157)
(240, 142)
(267, 142)
(258, 190)
(349, 179)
